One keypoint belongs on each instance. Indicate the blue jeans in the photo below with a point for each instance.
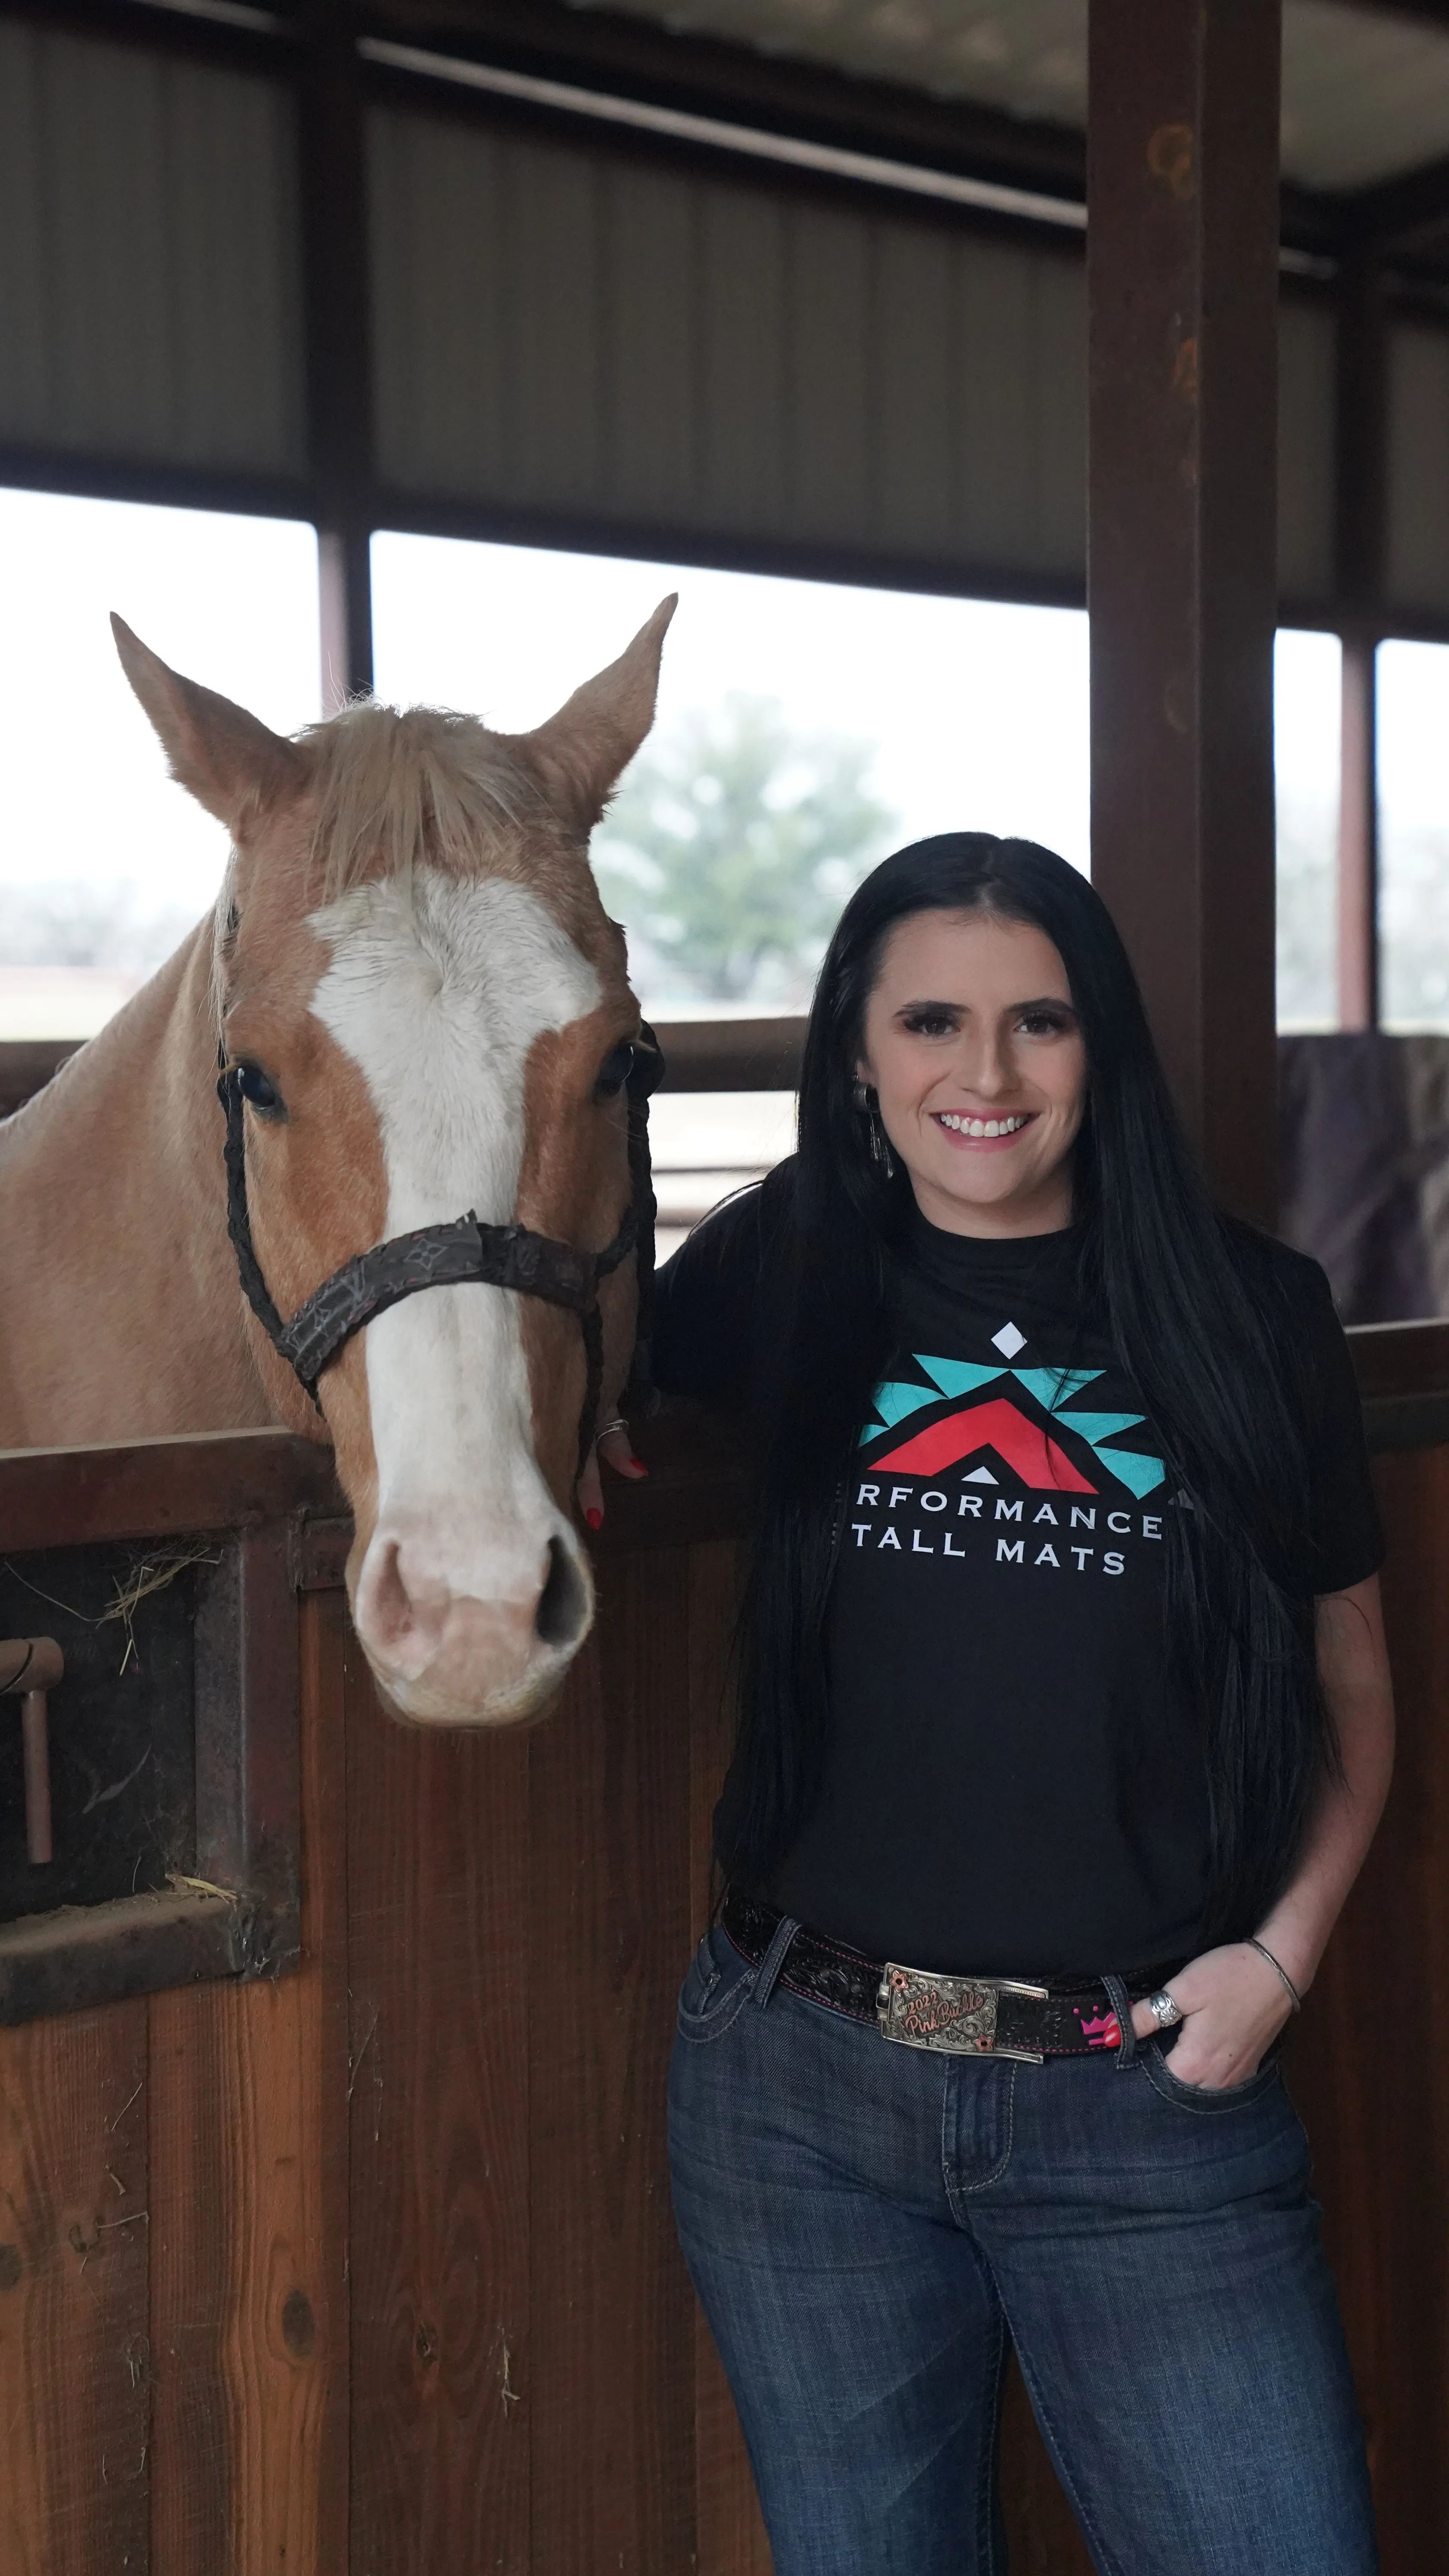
(865, 2224)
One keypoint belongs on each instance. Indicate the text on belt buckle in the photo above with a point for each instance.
(921, 2009)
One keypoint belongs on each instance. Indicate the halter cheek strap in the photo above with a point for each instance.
(437, 1256)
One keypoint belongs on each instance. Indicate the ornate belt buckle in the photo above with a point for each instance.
(921, 2009)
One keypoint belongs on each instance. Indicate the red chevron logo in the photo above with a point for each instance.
(1036, 1458)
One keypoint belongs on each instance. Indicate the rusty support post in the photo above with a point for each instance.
(1361, 533)
(339, 389)
(1182, 269)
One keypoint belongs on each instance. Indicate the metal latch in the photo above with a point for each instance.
(29, 1667)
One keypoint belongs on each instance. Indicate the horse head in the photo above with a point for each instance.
(427, 1013)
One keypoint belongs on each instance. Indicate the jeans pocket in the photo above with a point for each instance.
(1208, 2099)
(717, 1983)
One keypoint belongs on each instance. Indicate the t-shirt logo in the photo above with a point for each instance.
(1018, 1437)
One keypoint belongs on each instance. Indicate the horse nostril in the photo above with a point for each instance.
(562, 1604)
(390, 1605)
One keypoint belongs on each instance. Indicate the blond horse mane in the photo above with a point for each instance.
(397, 786)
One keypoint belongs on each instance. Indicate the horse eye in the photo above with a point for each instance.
(254, 1086)
(614, 1072)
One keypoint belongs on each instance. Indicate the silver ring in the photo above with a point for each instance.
(1164, 2011)
(604, 1429)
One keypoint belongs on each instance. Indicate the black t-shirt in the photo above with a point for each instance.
(1014, 1780)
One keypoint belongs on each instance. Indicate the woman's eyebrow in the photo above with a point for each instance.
(1037, 1002)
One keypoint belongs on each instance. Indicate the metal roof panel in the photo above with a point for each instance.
(1365, 92)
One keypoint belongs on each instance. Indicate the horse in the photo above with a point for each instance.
(418, 1008)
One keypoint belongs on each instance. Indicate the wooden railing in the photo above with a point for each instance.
(699, 1055)
(1403, 1369)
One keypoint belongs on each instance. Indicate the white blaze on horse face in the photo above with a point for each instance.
(472, 1592)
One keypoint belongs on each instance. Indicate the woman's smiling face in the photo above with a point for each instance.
(973, 1048)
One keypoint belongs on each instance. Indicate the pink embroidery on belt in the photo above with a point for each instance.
(1102, 2031)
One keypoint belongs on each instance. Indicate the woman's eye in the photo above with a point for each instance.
(614, 1072)
(931, 1024)
(1043, 1024)
(255, 1087)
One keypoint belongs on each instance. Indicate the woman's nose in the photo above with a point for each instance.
(984, 1066)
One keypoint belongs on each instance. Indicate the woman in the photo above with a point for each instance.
(1066, 1724)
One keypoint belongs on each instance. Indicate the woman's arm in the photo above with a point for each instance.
(1233, 2004)
(705, 1320)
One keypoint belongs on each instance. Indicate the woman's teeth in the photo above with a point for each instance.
(980, 1126)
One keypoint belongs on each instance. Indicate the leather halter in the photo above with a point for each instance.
(437, 1256)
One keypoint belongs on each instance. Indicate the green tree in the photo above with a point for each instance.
(732, 847)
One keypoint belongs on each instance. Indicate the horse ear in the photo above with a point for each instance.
(597, 731)
(230, 761)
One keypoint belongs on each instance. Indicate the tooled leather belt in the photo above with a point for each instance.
(962, 2016)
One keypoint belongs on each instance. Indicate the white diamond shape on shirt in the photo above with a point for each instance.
(980, 1476)
(1008, 1341)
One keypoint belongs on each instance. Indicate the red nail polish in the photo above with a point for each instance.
(594, 1516)
(637, 1464)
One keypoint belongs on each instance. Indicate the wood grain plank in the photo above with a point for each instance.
(611, 2392)
(730, 2534)
(1372, 2088)
(248, 2256)
(441, 1994)
(147, 1488)
(327, 1641)
(75, 2390)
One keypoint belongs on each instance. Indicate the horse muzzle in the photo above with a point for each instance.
(486, 1643)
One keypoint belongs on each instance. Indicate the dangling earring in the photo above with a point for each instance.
(880, 1152)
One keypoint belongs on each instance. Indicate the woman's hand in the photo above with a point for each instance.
(615, 1445)
(1232, 2003)
(1233, 2007)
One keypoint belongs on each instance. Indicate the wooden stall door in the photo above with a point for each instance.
(530, 2388)
(173, 2310)
(371, 2271)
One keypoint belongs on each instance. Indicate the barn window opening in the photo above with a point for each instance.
(104, 863)
(1307, 703)
(1413, 727)
(804, 729)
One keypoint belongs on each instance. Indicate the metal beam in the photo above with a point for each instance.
(339, 371)
(1182, 265)
(612, 49)
(1405, 216)
(1425, 13)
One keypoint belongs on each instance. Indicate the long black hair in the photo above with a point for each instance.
(1189, 1301)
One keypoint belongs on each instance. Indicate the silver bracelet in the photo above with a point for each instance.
(1265, 1953)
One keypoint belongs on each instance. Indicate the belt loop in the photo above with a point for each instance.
(774, 1959)
(1123, 2010)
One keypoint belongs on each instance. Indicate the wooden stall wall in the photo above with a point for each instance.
(370, 2271)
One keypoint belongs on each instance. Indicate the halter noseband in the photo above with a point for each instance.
(438, 1256)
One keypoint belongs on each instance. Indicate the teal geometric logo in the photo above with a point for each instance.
(1054, 1389)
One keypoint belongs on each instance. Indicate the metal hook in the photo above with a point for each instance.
(29, 1668)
